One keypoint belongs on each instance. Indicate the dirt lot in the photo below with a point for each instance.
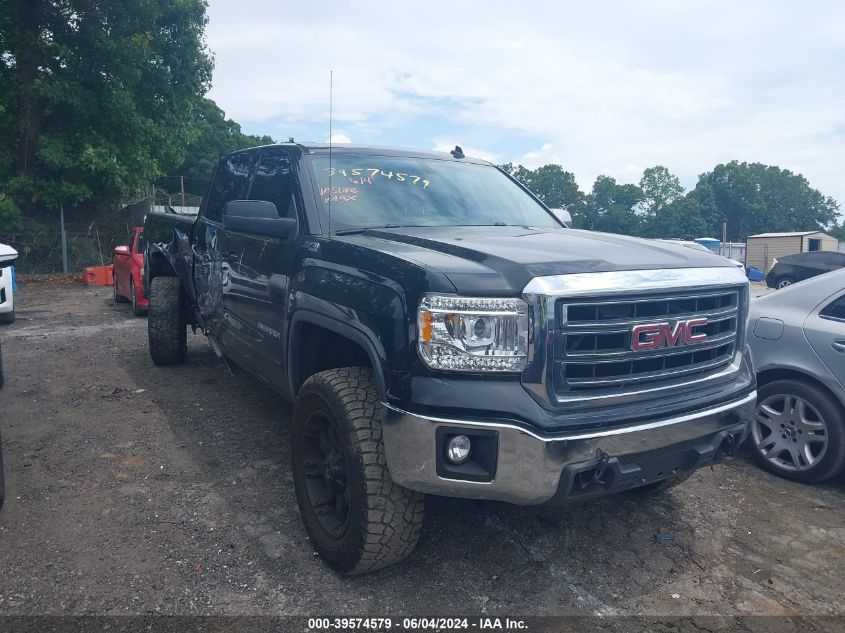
(136, 489)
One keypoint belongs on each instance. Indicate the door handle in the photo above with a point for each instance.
(839, 346)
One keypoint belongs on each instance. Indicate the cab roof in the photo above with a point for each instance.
(373, 150)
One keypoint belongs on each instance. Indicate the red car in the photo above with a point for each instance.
(127, 263)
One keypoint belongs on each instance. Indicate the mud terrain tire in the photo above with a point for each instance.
(167, 328)
(358, 519)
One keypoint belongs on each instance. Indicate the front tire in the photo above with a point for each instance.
(167, 327)
(798, 431)
(8, 317)
(357, 518)
(783, 282)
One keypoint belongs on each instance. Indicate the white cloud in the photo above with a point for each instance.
(339, 137)
(599, 87)
(539, 157)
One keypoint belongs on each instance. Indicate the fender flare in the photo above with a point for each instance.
(302, 317)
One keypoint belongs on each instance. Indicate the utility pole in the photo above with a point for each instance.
(182, 187)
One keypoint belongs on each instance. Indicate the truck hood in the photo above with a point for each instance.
(502, 259)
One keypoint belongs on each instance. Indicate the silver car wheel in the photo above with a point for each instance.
(789, 432)
(783, 283)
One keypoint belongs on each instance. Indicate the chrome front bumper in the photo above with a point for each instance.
(530, 466)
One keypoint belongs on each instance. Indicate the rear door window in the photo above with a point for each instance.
(835, 309)
(230, 183)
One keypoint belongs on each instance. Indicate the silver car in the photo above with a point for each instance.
(797, 338)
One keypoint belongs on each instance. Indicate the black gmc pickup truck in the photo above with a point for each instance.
(441, 332)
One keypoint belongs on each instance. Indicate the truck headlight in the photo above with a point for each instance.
(473, 334)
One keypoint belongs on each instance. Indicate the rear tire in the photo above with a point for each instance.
(117, 297)
(784, 281)
(8, 317)
(167, 327)
(357, 518)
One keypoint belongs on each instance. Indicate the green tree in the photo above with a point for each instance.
(214, 135)
(755, 198)
(555, 186)
(96, 97)
(838, 231)
(659, 187)
(611, 207)
(682, 219)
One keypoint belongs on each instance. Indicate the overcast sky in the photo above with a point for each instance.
(598, 87)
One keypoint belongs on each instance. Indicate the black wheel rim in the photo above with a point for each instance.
(324, 469)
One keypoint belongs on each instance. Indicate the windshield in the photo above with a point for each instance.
(365, 190)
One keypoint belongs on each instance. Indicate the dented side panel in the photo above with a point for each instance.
(168, 249)
(208, 277)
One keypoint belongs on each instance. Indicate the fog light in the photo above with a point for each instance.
(458, 449)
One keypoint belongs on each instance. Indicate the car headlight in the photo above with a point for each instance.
(473, 334)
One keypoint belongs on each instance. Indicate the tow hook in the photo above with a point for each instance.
(598, 472)
(727, 450)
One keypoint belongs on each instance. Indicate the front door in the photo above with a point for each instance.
(210, 270)
(120, 272)
(259, 269)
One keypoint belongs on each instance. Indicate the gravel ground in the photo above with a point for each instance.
(134, 489)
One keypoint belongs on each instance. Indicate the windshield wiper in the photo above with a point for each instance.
(365, 229)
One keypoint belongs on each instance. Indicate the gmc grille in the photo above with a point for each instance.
(593, 342)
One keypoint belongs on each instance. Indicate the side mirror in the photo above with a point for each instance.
(121, 250)
(257, 217)
(563, 216)
(8, 255)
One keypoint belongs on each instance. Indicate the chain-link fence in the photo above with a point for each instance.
(178, 202)
(90, 234)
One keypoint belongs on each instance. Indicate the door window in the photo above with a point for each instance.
(273, 182)
(140, 244)
(230, 182)
(834, 309)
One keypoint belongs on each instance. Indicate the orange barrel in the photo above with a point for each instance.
(108, 275)
(91, 276)
(99, 275)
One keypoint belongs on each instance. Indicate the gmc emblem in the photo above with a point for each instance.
(656, 335)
